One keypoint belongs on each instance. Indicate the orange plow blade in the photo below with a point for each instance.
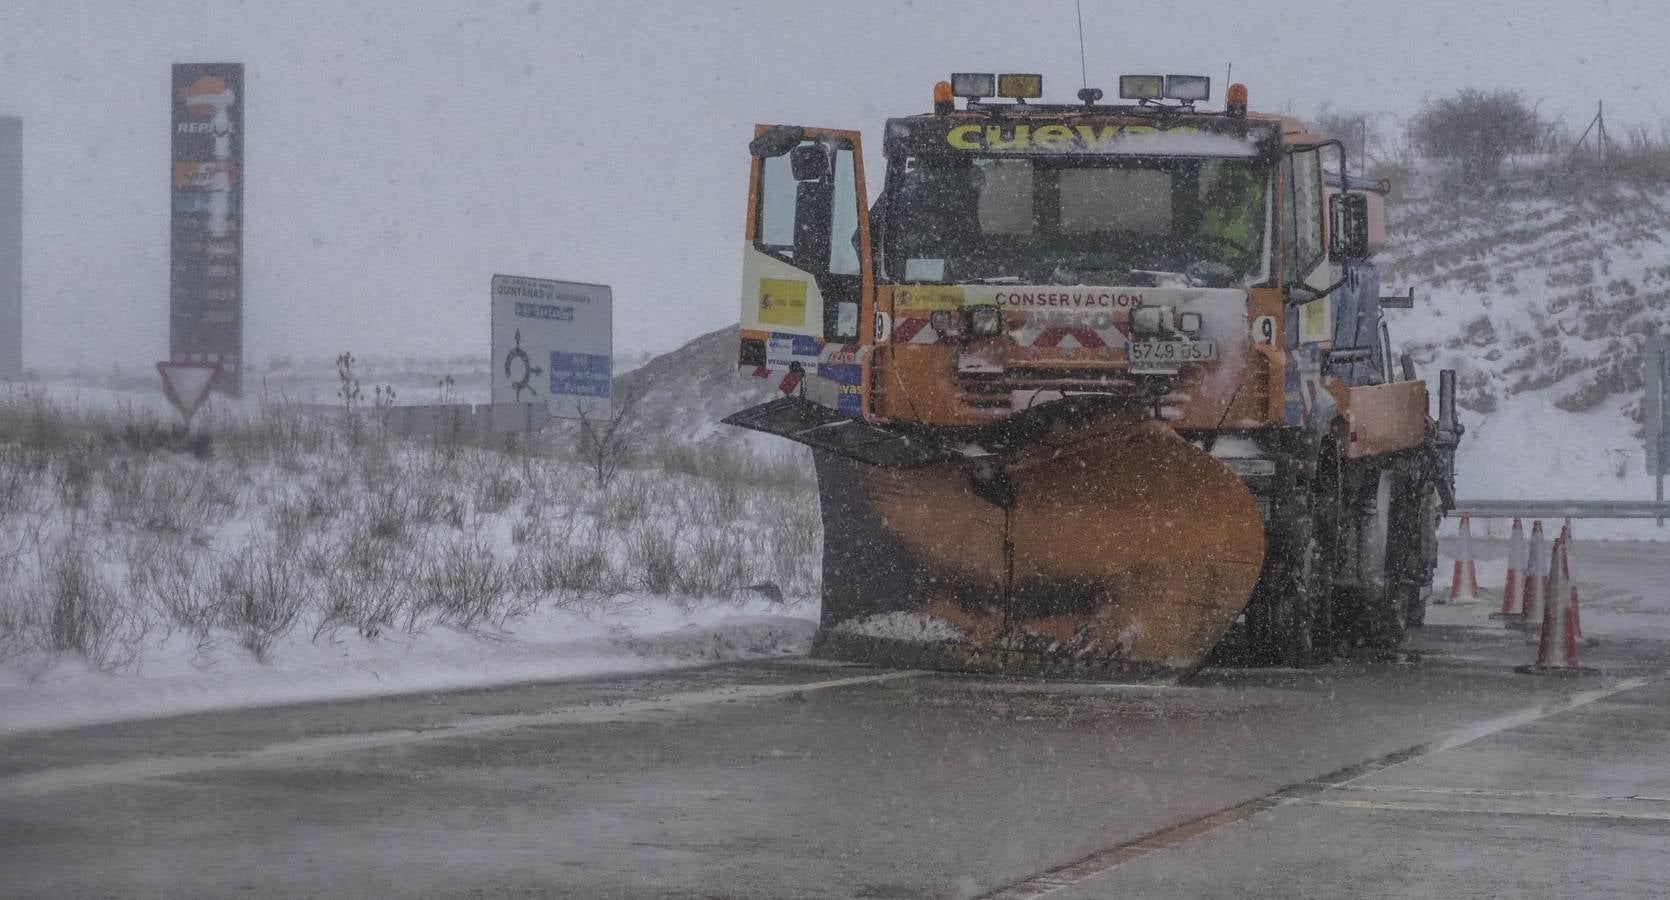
(1112, 550)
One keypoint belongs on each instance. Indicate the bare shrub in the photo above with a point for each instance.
(17, 483)
(494, 493)
(1475, 130)
(795, 533)
(168, 498)
(16, 623)
(531, 527)
(362, 585)
(789, 469)
(466, 585)
(85, 616)
(388, 512)
(716, 563)
(652, 558)
(265, 596)
(169, 575)
(605, 444)
(431, 503)
(625, 503)
(572, 571)
(73, 475)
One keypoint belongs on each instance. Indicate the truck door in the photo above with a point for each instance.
(806, 274)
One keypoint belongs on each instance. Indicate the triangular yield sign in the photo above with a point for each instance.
(187, 384)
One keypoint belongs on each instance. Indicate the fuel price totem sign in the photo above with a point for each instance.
(206, 283)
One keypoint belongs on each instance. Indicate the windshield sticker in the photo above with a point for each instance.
(782, 302)
(1315, 321)
(928, 298)
(783, 351)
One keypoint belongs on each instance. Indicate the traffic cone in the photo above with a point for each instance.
(1534, 580)
(1557, 646)
(1465, 568)
(1516, 562)
(1565, 575)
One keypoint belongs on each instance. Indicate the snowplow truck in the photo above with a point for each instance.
(1092, 386)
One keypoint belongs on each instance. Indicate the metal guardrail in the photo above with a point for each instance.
(1563, 509)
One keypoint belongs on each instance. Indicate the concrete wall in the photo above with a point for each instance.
(11, 247)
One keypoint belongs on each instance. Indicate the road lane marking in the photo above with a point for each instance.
(1102, 861)
(50, 781)
(1592, 811)
(1503, 792)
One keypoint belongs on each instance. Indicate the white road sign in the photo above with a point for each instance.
(187, 385)
(553, 342)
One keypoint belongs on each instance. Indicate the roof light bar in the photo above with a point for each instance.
(1188, 88)
(973, 85)
(1020, 87)
(1142, 87)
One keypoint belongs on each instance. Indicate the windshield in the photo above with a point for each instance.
(1079, 220)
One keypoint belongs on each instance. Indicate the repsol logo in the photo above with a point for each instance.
(201, 128)
(1047, 137)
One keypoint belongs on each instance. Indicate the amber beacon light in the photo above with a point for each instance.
(1235, 102)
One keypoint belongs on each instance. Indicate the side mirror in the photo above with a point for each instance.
(1348, 216)
(776, 140)
(811, 162)
(814, 204)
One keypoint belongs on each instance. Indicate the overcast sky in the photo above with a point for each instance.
(399, 153)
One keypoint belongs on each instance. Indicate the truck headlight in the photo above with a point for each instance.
(1149, 320)
(949, 323)
(1189, 323)
(985, 321)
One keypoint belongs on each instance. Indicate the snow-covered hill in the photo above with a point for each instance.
(1540, 292)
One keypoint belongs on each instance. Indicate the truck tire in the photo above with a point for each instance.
(1414, 560)
(1289, 609)
(1377, 608)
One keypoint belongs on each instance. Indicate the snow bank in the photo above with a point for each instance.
(180, 675)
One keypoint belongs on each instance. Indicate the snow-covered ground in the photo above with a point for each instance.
(299, 553)
(176, 673)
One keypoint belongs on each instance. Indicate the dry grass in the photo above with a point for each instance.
(267, 523)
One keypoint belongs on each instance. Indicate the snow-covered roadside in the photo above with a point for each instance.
(180, 674)
(281, 556)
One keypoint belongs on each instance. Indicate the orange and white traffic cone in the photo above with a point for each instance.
(1466, 571)
(1516, 562)
(1535, 580)
(1565, 575)
(1557, 646)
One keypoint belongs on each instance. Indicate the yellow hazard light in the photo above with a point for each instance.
(943, 99)
(1236, 100)
(1142, 87)
(1020, 87)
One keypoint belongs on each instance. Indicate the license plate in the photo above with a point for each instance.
(1167, 356)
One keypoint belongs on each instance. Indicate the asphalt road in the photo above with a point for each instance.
(1444, 775)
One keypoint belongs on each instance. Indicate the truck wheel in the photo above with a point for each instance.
(1380, 608)
(1281, 622)
(1292, 595)
(1416, 545)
